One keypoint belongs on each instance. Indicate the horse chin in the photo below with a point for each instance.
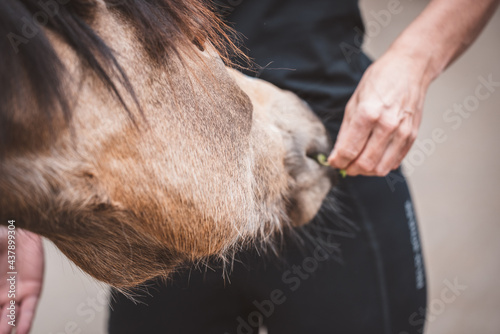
(307, 202)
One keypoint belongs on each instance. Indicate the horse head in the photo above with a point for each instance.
(129, 143)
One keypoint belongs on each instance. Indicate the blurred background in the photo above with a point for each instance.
(455, 188)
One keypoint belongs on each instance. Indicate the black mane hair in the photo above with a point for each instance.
(30, 69)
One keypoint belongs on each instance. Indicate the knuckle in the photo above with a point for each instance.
(347, 153)
(366, 165)
(382, 171)
(368, 114)
(404, 132)
(388, 124)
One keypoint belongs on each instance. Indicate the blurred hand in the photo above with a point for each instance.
(29, 265)
(382, 117)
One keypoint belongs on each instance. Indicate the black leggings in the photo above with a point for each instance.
(362, 273)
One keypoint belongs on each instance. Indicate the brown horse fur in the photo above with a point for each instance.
(205, 161)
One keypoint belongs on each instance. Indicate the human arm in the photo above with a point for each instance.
(383, 116)
(29, 265)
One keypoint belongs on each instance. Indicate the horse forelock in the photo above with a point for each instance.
(32, 84)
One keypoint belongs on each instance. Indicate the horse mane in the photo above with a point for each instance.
(32, 74)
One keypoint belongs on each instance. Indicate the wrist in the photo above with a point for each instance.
(424, 59)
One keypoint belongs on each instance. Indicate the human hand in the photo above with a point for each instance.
(29, 265)
(382, 117)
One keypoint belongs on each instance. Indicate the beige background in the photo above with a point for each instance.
(456, 190)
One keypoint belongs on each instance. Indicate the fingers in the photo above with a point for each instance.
(5, 328)
(368, 161)
(353, 136)
(411, 139)
(406, 148)
(397, 149)
(26, 314)
(386, 146)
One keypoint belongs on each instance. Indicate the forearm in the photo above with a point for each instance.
(442, 32)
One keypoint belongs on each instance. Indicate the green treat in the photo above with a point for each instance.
(322, 160)
(343, 173)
